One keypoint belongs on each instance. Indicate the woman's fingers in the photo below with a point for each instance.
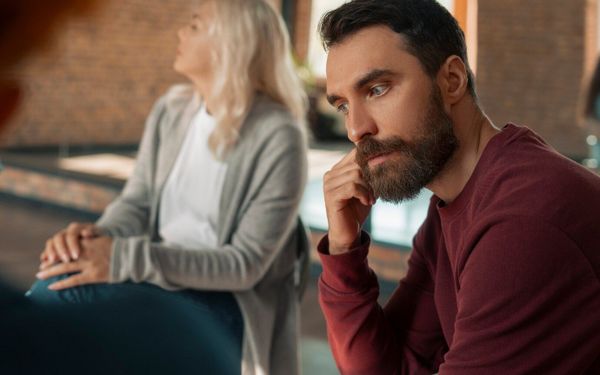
(45, 264)
(66, 244)
(92, 267)
(69, 282)
(59, 269)
(90, 231)
(60, 245)
(72, 237)
(48, 251)
(48, 256)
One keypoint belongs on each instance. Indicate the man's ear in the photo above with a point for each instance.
(10, 98)
(453, 80)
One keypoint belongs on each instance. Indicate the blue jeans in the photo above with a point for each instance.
(180, 327)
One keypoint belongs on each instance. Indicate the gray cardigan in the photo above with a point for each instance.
(259, 233)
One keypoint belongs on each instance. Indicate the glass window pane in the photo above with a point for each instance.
(397, 223)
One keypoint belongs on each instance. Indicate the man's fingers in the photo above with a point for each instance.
(345, 192)
(70, 282)
(348, 175)
(344, 173)
(59, 269)
(349, 158)
(343, 169)
(335, 182)
(360, 192)
(350, 170)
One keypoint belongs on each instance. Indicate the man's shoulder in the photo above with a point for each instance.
(532, 193)
(526, 177)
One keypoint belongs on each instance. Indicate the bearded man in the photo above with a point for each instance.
(504, 276)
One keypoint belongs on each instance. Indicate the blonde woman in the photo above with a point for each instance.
(210, 213)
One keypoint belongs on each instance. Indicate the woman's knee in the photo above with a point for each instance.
(40, 293)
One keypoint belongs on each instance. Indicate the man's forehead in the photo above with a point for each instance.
(369, 49)
(367, 42)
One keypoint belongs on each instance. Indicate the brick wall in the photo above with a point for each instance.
(96, 85)
(98, 82)
(532, 57)
(302, 28)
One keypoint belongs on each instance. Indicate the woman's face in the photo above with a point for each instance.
(195, 44)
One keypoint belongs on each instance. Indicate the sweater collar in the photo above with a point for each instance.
(451, 211)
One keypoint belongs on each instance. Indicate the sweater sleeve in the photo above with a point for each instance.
(528, 303)
(258, 237)
(402, 338)
(128, 214)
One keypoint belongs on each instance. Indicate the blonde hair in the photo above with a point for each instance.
(251, 55)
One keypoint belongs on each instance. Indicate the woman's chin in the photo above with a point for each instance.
(176, 66)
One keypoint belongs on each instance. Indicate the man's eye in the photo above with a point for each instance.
(342, 108)
(193, 26)
(378, 90)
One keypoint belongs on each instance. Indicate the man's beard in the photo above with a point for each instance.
(396, 180)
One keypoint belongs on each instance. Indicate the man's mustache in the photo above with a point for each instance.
(369, 148)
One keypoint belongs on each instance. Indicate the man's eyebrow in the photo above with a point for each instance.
(363, 81)
(332, 99)
(371, 76)
(194, 16)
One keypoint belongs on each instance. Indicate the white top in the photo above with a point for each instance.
(189, 206)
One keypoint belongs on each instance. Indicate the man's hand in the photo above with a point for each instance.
(91, 267)
(64, 246)
(348, 200)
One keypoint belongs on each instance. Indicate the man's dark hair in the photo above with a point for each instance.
(431, 33)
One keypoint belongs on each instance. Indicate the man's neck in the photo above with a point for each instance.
(473, 130)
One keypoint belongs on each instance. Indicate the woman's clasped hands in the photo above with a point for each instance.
(80, 251)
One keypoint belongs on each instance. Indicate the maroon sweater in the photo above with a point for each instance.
(504, 280)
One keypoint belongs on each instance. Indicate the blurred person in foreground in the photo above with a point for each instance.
(210, 213)
(117, 337)
(504, 275)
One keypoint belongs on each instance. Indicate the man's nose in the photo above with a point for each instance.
(360, 124)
